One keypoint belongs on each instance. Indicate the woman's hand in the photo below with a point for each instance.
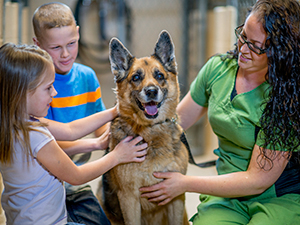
(166, 190)
(128, 150)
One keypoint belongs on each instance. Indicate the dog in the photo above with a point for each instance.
(147, 93)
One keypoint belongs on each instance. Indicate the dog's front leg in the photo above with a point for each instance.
(176, 211)
(130, 207)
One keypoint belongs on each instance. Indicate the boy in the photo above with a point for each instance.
(78, 95)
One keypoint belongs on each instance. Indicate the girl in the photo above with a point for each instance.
(31, 162)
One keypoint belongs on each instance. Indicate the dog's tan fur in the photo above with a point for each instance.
(149, 79)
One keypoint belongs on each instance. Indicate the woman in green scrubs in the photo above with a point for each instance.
(251, 96)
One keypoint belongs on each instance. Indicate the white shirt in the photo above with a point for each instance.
(31, 194)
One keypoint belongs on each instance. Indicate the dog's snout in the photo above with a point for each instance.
(151, 92)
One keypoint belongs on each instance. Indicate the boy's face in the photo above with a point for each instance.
(62, 44)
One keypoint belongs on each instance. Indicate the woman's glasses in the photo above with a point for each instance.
(242, 39)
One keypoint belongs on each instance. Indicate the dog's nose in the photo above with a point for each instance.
(151, 92)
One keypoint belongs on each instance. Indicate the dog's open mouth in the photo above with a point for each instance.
(150, 108)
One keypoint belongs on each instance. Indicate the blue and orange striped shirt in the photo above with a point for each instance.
(78, 95)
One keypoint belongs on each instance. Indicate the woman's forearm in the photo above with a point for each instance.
(228, 186)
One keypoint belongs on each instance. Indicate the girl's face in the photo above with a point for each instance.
(248, 60)
(38, 101)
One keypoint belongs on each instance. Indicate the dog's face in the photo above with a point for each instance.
(147, 88)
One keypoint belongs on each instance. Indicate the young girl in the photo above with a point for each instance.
(32, 164)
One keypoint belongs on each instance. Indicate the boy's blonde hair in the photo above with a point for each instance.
(51, 15)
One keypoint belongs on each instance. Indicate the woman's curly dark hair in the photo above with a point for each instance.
(280, 120)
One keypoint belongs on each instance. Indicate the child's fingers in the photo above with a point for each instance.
(142, 146)
(136, 140)
(127, 139)
(141, 153)
(140, 159)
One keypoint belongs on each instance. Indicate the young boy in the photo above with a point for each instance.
(78, 95)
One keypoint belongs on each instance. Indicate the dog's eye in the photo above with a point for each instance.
(159, 76)
(136, 77)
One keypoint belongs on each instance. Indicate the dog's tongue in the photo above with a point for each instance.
(151, 108)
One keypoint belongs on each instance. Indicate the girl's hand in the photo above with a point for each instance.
(103, 141)
(115, 111)
(166, 190)
(128, 150)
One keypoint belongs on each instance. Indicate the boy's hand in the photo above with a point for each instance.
(128, 150)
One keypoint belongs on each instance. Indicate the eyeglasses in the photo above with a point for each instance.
(242, 39)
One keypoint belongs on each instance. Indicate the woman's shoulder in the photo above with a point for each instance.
(217, 67)
(222, 60)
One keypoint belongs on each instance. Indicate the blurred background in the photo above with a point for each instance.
(199, 29)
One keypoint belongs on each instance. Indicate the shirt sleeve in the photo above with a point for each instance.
(201, 87)
(39, 138)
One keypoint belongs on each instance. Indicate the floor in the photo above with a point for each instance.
(192, 199)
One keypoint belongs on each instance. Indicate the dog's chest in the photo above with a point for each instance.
(165, 153)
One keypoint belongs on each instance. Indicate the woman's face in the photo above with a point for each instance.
(248, 60)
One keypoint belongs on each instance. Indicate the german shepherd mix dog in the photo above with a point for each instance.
(147, 93)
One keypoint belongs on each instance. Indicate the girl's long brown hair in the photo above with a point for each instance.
(21, 70)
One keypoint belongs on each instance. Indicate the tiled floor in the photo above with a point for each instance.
(192, 199)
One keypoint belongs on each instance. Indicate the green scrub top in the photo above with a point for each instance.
(233, 121)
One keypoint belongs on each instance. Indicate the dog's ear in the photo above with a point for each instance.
(120, 59)
(165, 52)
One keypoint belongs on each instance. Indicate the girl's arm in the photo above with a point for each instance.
(60, 165)
(85, 145)
(239, 184)
(81, 127)
(102, 129)
(189, 111)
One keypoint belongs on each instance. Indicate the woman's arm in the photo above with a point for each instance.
(189, 111)
(251, 182)
(81, 127)
(60, 165)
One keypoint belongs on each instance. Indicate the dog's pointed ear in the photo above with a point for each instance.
(120, 59)
(165, 51)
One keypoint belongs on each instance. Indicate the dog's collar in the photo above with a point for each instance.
(174, 120)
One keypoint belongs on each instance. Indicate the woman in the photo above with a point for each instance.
(251, 97)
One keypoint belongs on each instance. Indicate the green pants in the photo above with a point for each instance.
(265, 209)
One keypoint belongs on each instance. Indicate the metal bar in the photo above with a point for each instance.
(184, 73)
(21, 4)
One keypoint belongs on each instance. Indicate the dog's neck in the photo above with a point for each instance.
(173, 120)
